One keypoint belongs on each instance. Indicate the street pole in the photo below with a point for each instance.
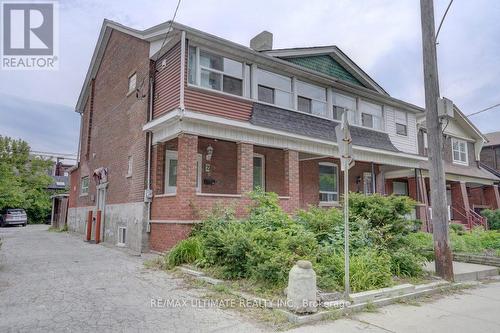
(346, 228)
(443, 257)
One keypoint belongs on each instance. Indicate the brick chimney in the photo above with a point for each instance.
(262, 42)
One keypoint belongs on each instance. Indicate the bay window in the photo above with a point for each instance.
(311, 99)
(371, 115)
(274, 88)
(328, 182)
(216, 72)
(459, 150)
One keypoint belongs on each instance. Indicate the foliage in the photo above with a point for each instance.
(23, 180)
(186, 251)
(406, 263)
(457, 228)
(476, 241)
(493, 217)
(368, 269)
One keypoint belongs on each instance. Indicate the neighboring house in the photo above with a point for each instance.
(490, 154)
(173, 125)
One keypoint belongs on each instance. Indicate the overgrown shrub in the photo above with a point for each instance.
(186, 251)
(493, 217)
(458, 228)
(406, 263)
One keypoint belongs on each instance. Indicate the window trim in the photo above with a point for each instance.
(122, 233)
(263, 172)
(336, 167)
(405, 127)
(370, 188)
(129, 91)
(130, 165)
(84, 190)
(170, 155)
(466, 152)
(199, 169)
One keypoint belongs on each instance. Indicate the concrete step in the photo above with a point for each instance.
(466, 271)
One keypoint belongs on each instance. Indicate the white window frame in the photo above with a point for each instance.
(170, 155)
(122, 236)
(367, 189)
(134, 87)
(466, 152)
(84, 190)
(401, 118)
(312, 99)
(292, 92)
(130, 163)
(198, 68)
(360, 114)
(263, 170)
(336, 167)
(199, 170)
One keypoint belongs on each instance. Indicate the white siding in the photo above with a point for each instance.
(407, 144)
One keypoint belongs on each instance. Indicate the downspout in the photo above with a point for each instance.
(149, 142)
(183, 74)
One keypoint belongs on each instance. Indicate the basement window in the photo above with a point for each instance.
(122, 236)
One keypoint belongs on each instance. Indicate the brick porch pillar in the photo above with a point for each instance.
(187, 150)
(412, 188)
(460, 201)
(380, 183)
(492, 196)
(244, 182)
(292, 189)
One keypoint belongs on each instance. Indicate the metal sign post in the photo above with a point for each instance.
(345, 149)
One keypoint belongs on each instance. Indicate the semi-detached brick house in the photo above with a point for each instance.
(175, 123)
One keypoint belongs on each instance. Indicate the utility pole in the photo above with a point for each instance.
(444, 263)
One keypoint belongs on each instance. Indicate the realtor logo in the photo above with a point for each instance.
(29, 36)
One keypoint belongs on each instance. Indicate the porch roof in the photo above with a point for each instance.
(311, 126)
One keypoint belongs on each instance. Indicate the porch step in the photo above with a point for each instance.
(467, 272)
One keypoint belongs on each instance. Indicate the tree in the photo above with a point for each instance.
(24, 180)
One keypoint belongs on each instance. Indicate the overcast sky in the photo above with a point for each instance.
(381, 36)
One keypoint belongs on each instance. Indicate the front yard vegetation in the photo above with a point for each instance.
(263, 247)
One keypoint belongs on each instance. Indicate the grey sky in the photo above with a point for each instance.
(381, 36)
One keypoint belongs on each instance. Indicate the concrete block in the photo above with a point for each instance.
(372, 295)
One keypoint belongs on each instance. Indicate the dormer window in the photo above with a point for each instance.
(459, 150)
(212, 71)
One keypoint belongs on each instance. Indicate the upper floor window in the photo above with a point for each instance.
(130, 162)
(216, 72)
(371, 115)
(459, 149)
(274, 88)
(344, 103)
(132, 83)
(401, 123)
(84, 185)
(311, 99)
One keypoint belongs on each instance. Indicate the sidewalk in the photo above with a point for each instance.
(472, 310)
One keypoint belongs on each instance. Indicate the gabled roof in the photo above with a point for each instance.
(493, 139)
(310, 57)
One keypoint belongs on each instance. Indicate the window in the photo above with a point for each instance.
(281, 87)
(311, 98)
(130, 162)
(344, 103)
(426, 144)
(132, 83)
(367, 183)
(216, 72)
(84, 185)
(259, 172)
(401, 122)
(459, 149)
(371, 115)
(400, 188)
(171, 171)
(122, 236)
(328, 182)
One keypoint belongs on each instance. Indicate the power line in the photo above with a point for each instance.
(483, 110)
(442, 20)
(170, 25)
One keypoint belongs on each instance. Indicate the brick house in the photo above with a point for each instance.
(176, 120)
(490, 154)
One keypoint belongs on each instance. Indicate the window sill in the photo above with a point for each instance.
(284, 197)
(84, 195)
(165, 195)
(130, 93)
(221, 195)
(329, 204)
(460, 163)
(128, 176)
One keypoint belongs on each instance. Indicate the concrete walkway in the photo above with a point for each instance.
(473, 310)
(54, 282)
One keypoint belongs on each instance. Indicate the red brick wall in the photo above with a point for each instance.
(275, 169)
(165, 235)
(492, 196)
(223, 166)
(116, 123)
(459, 201)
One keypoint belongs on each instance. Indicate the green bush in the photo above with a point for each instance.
(368, 269)
(186, 251)
(405, 263)
(457, 228)
(320, 221)
(493, 217)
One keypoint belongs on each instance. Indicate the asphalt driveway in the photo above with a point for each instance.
(55, 282)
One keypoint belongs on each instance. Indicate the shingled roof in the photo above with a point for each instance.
(311, 126)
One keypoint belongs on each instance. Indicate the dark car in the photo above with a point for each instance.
(13, 216)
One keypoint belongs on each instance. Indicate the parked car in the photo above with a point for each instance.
(13, 216)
